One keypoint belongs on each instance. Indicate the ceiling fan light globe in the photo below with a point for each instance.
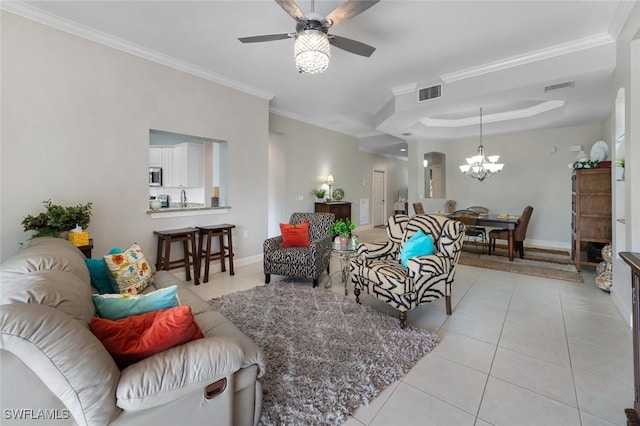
(311, 51)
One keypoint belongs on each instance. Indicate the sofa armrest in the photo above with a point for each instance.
(381, 251)
(66, 356)
(176, 372)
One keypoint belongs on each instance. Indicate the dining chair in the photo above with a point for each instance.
(472, 231)
(418, 208)
(482, 211)
(519, 234)
(479, 209)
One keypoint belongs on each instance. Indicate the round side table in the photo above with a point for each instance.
(345, 254)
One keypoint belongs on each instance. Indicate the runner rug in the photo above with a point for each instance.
(326, 355)
(554, 264)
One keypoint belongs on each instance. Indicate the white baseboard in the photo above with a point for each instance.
(214, 266)
(548, 244)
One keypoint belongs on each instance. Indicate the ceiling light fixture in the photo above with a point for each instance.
(481, 167)
(311, 51)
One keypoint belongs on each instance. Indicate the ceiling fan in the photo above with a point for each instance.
(312, 34)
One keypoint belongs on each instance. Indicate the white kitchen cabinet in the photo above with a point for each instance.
(167, 167)
(155, 157)
(188, 165)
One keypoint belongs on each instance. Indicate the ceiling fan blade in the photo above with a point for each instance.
(351, 45)
(268, 37)
(348, 10)
(292, 9)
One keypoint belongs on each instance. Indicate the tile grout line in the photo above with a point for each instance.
(493, 359)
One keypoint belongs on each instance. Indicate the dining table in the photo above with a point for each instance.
(503, 221)
(507, 222)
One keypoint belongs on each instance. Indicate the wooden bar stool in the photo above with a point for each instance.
(163, 255)
(225, 252)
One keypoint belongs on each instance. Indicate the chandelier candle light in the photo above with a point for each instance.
(479, 166)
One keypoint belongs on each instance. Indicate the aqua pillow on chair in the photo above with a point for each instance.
(420, 244)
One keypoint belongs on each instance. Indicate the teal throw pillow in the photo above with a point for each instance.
(99, 275)
(118, 306)
(419, 244)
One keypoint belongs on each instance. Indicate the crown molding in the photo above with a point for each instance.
(491, 118)
(307, 120)
(27, 11)
(403, 90)
(387, 155)
(620, 18)
(530, 57)
(383, 102)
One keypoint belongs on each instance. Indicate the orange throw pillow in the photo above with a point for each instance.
(134, 338)
(295, 235)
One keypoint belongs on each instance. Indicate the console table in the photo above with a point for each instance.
(342, 209)
(633, 260)
(86, 250)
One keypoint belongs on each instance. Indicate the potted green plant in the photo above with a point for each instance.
(57, 219)
(620, 173)
(342, 228)
(319, 194)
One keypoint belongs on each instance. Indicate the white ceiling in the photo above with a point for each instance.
(498, 55)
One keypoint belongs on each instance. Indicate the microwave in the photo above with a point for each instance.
(155, 176)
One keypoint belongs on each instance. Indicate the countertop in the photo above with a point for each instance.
(192, 208)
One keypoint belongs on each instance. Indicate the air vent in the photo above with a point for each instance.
(429, 93)
(565, 85)
(406, 134)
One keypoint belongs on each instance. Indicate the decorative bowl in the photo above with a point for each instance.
(155, 204)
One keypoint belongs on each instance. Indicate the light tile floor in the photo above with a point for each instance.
(517, 350)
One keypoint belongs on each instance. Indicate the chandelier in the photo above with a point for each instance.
(311, 51)
(479, 166)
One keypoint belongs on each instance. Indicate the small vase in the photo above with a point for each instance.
(344, 241)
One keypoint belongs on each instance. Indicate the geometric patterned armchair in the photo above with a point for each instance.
(301, 262)
(378, 271)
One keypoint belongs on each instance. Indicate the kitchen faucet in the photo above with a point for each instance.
(183, 198)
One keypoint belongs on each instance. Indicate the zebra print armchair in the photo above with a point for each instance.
(301, 262)
(378, 271)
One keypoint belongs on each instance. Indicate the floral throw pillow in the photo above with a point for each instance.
(129, 271)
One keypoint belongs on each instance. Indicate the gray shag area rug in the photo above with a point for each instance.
(326, 355)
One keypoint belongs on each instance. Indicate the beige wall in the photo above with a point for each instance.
(75, 122)
(75, 128)
(533, 175)
(626, 202)
(309, 153)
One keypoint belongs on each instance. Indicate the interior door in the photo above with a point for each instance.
(436, 181)
(379, 205)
